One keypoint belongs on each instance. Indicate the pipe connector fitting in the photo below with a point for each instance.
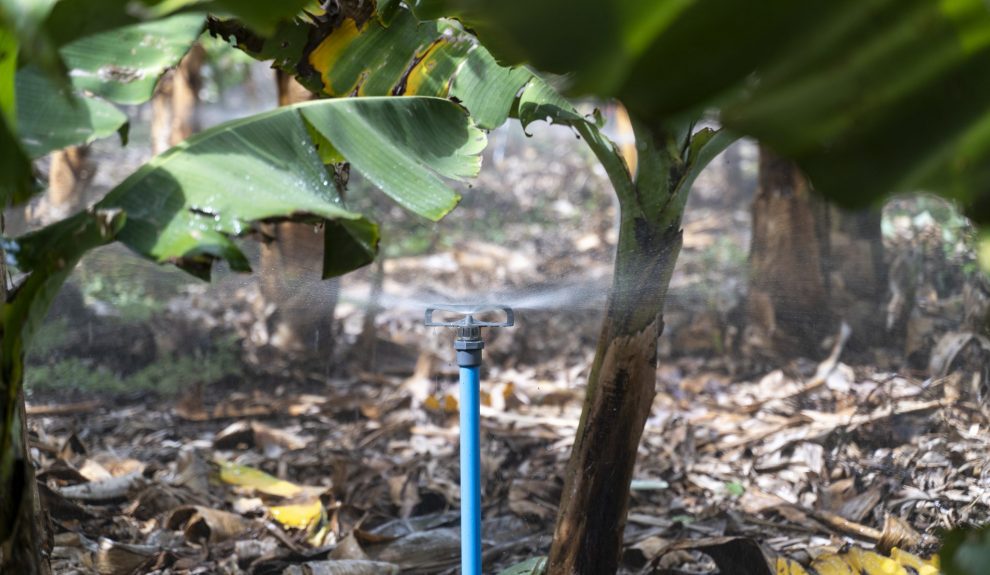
(469, 350)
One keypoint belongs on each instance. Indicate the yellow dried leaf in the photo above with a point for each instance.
(871, 563)
(299, 515)
(832, 564)
(432, 403)
(859, 561)
(787, 566)
(508, 390)
(257, 480)
(922, 566)
(448, 405)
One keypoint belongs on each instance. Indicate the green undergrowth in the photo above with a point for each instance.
(53, 335)
(166, 376)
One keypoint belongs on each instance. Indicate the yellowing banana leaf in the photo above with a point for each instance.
(9, 48)
(858, 561)
(364, 56)
(744, 556)
(404, 57)
(261, 482)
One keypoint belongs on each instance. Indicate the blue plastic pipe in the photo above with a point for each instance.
(470, 471)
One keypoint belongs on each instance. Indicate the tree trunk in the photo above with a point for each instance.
(69, 174)
(174, 105)
(23, 545)
(622, 383)
(858, 275)
(787, 307)
(811, 264)
(303, 318)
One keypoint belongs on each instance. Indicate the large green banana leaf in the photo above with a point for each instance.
(871, 97)
(51, 117)
(395, 53)
(186, 205)
(16, 179)
(123, 64)
(75, 52)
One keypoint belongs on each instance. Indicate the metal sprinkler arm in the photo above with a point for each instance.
(469, 311)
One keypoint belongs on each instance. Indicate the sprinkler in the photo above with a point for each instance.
(469, 345)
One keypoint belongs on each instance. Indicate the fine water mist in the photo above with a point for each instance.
(569, 294)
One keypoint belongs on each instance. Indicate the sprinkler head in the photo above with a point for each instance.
(468, 343)
(469, 311)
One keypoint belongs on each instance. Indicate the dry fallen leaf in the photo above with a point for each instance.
(206, 525)
(299, 515)
(258, 481)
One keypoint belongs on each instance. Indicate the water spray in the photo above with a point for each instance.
(469, 345)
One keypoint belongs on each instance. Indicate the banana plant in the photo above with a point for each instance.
(353, 53)
(869, 97)
(188, 205)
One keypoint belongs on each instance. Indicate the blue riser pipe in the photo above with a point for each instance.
(470, 471)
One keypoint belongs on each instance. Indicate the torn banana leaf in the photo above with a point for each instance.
(187, 205)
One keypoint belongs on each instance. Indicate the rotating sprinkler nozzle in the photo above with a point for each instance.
(469, 345)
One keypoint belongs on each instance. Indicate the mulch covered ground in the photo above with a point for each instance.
(801, 462)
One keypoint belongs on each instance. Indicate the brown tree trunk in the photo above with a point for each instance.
(303, 318)
(858, 275)
(174, 105)
(621, 387)
(811, 265)
(622, 383)
(787, 308)
(69, 174)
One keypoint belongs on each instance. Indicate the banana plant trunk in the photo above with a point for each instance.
(622, 383)
(588, 536)
(23, 532)
(23, 547)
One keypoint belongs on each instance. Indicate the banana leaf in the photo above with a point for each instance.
(870, 97)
